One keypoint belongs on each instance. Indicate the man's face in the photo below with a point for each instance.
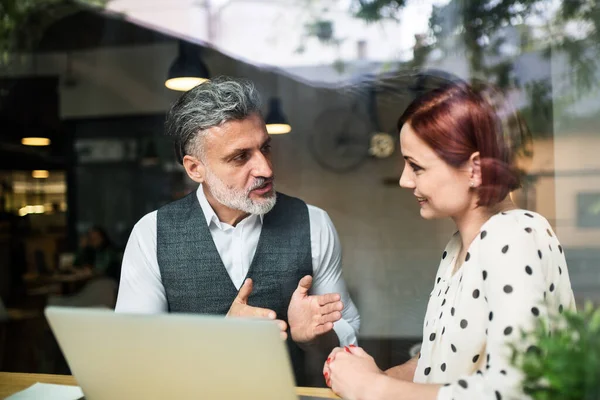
(237, 165)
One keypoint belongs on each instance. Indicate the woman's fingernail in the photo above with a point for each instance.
(326, 375)
(347, 349)
(328, 360)
(328, 382)
(352, 345)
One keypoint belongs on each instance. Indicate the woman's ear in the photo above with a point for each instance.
(475, 170)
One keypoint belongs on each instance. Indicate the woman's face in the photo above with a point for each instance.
(440, 189)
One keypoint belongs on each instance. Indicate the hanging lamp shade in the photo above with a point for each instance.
(40, 174)
(188, 70)
(276, 122)
(35, 141)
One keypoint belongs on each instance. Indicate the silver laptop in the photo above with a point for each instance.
(172, 356)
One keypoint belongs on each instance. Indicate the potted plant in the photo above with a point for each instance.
(565, 364)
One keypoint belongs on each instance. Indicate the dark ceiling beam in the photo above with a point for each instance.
(84, 28)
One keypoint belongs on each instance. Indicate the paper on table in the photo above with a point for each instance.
(48, 391)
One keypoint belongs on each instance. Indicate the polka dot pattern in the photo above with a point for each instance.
(513, 274)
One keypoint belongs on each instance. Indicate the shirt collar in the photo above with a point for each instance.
(210, 214)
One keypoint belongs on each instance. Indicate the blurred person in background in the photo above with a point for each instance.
(97, 255)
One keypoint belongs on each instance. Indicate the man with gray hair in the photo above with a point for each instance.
(236, 247)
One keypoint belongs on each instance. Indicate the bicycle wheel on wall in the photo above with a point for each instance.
(339, 141)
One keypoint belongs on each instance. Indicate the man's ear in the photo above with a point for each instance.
(475, 168)
(194, 168)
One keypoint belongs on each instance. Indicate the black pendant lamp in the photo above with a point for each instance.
(276, 122)
(188, 70)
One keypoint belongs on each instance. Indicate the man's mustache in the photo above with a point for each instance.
(260, 182)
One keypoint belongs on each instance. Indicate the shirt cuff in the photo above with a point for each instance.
(345, 333)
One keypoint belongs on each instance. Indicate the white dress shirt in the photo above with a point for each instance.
(141, 289)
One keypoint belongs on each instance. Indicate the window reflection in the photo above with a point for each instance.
(90, 77)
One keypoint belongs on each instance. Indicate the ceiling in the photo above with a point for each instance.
(83, 28)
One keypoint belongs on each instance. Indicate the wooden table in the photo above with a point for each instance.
(11, 383)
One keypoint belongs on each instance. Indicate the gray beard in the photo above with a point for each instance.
(239, 199)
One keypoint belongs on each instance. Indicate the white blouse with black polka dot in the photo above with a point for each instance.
(514, 273)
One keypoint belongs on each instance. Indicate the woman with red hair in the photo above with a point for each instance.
(502, 270)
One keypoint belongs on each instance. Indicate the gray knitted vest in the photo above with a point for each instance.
(196, 281)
